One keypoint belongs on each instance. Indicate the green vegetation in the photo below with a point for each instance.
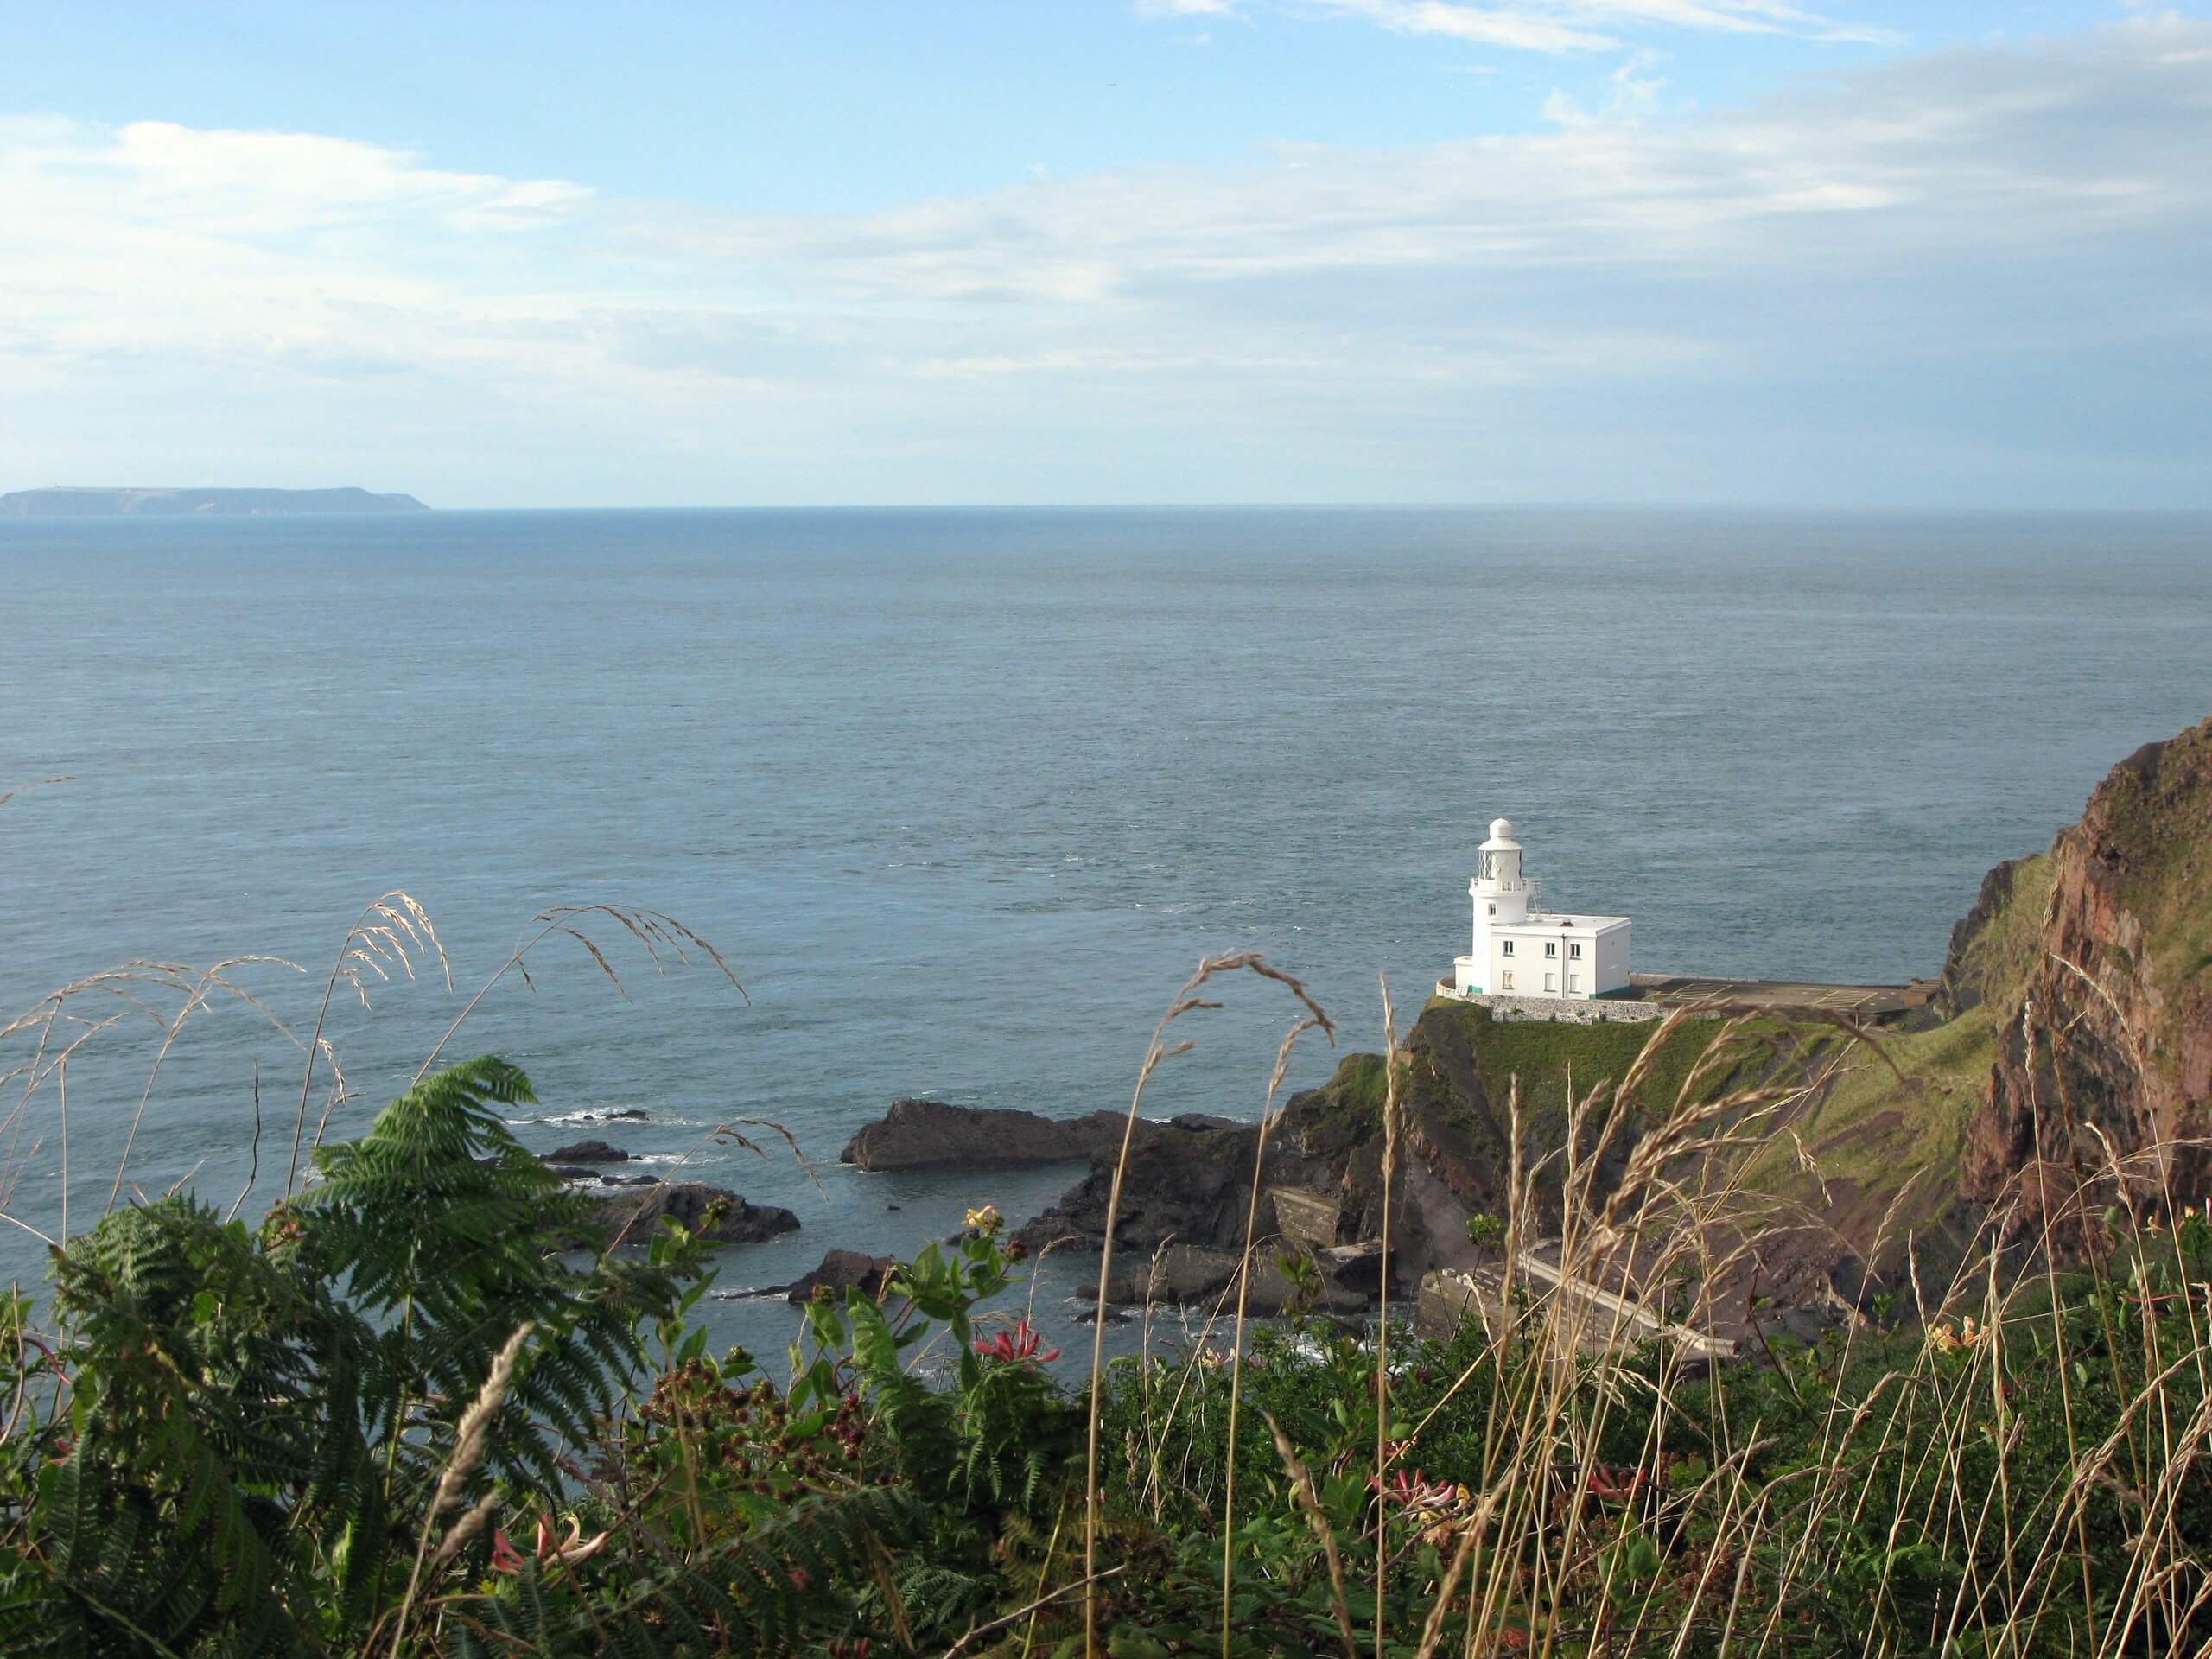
(1547, 1057)
(1997, 960)
(1900, 1115)
(392, 1421)
(2166, 880)
(1351, 1104)
(404, 1417)
(1460, 1068)
(1878, 1129)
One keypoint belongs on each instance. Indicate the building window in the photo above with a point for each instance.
(1493, 910)
(1551, 948)
(1509, 947)
(1551, 981)
(1575, 952)
(1508, 980)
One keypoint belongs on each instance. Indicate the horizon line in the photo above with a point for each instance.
(1353, 506)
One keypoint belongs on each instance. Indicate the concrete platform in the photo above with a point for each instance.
(1880, 1003)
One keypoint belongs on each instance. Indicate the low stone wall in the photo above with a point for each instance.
(1592, 1321)
(1306, 1219)
(1567, 1010)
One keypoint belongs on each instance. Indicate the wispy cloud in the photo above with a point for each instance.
(1564, 26)
(1987, 260)
(1517, 28)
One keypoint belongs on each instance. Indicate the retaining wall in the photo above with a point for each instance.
(1567, 1010)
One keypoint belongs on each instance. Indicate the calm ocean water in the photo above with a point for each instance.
(963, 795)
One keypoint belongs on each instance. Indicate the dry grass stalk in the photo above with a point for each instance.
(390, 931)
(1390, 1070)
(653, 930)
(1655, 1225)
(166, 994)
(470, 1437)
(1309, 1022)
(1309, 1504)
(1157, 1052)
(35, 783)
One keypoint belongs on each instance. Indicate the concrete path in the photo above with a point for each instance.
(1876, 1003)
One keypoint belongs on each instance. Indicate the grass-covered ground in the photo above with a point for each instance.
(1544, 1059)
(1899, 1116)
(1547, 1058)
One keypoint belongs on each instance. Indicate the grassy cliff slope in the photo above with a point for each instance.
(1886, 1125)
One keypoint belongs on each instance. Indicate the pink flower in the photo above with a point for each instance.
(568, 1551)
(1615, 1484)
(1414, 1490)
(1010, 1347)
(505, 1558)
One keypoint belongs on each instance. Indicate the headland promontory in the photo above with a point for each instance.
(60, 502)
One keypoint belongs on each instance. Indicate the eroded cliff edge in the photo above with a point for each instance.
(2102, 1073)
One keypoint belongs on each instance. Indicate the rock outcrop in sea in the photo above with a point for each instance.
(720, 1214)
(930, 1134)
(588, 1151)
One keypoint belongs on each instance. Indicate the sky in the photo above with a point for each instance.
(1853, 253)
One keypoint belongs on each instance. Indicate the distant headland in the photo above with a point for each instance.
(78, 503)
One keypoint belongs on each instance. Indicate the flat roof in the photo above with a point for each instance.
(1594, 924)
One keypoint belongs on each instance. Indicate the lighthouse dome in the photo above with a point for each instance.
(1501, 829)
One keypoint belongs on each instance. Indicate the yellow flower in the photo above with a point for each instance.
(987, 1220)
(1943, 1339)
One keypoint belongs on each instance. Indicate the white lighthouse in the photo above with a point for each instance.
(1519, 948)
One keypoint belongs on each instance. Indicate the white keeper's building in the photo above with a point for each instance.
(1521, 948)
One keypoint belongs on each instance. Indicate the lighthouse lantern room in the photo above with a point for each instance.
(1521, 948)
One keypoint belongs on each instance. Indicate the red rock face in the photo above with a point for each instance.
(2104, 1075)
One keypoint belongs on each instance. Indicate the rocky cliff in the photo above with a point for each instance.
(2102, 1069)
(2072, 1029)
(1188, 1185)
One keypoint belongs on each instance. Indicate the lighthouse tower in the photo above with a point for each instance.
(1520, 949)
(1498, 883)
(1502, 896)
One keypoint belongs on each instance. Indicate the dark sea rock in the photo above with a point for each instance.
(842, 1270)
(588, 1151)
(1198, 1121)
(930, 1134)
(688, 1203)
(1191, 1185)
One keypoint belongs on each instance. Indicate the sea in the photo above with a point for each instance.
(963, 796)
